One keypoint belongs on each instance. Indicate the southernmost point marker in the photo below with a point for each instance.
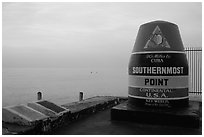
(158, 67)
(158, 81)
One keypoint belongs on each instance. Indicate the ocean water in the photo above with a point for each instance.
(61, 85)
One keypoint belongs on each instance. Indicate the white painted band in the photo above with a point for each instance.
(147, 52)
(158, 81)
(139, 97)
(157, 87)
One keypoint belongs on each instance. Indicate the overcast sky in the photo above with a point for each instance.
(87, 34)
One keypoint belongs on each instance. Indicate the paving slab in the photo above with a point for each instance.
(10, 116)
(52, 106)
(21, 115)
(42, 109)
(29, 112)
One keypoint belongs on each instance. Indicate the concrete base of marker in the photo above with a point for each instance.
(185, 117)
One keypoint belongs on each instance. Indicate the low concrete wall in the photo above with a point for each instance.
(43, 116)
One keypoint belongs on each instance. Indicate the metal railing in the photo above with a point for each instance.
(194, 56)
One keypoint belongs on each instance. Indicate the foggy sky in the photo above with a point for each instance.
(86, 34)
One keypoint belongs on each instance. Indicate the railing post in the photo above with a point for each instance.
(80, 95)
(39, 96)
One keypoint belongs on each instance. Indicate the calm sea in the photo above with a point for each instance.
(60, 85)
